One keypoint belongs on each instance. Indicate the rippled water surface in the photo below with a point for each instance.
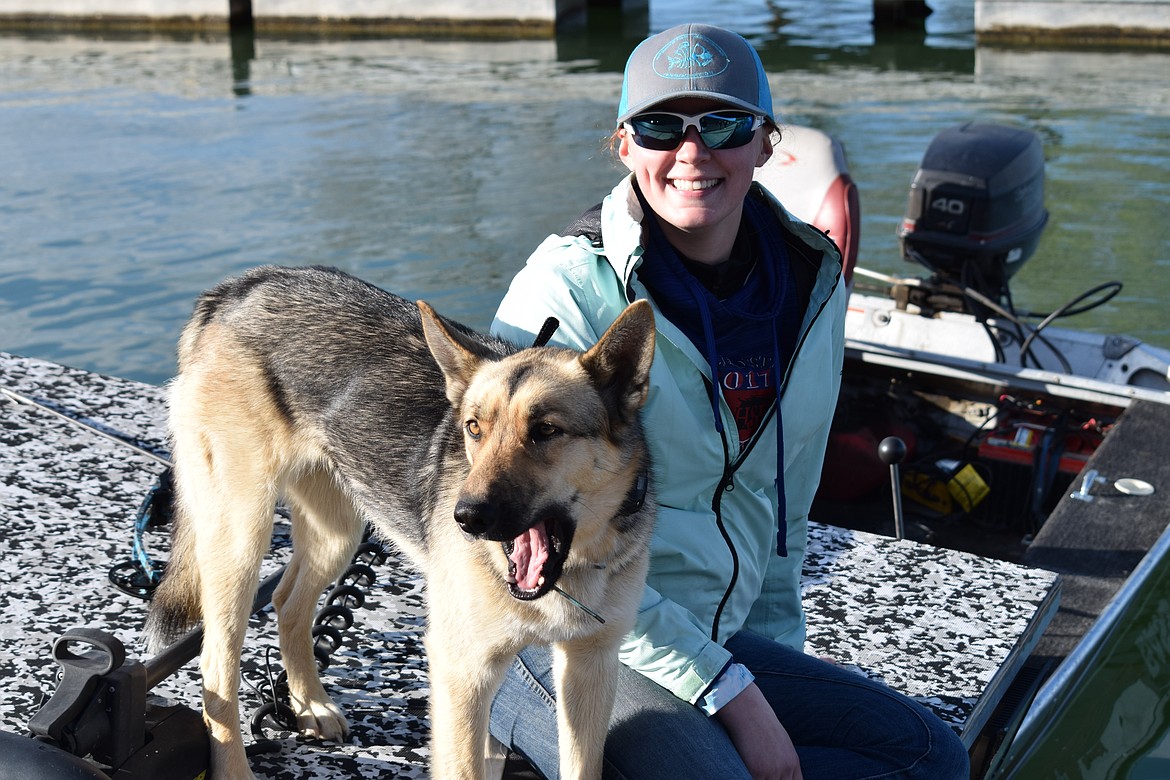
(136, 172)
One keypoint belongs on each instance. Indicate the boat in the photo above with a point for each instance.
(1021, 440)
(967, 552)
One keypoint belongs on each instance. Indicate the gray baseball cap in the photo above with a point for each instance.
(695, 60)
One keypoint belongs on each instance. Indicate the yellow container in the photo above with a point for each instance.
(967, 488)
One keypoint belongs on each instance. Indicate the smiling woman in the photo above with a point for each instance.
(695, 189)
(694, 169)
(750, 306)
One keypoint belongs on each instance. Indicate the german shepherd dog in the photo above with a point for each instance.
(528, 475)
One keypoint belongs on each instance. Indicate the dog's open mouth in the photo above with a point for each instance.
(535, 560)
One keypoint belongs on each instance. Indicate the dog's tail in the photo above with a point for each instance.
(175, 606)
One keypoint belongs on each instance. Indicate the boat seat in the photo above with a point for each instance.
(808, 173)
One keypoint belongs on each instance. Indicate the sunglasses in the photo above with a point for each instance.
(663, 131)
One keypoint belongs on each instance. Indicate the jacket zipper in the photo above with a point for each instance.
(717, 507)
(729, 467)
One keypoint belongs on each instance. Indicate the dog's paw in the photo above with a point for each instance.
(322, 720)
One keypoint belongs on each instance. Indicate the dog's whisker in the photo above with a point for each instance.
(579, 605)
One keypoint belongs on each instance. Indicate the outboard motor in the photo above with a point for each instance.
(976, 209)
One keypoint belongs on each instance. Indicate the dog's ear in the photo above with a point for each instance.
(619, 362)
(457, 354)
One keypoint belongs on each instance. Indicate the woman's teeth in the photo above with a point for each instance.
(691, 184)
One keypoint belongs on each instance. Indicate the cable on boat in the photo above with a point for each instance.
(964, 286)
(140, 575)
(1111, 289)
(118, 438)
(1026, 335)
(335, 617)
(1114, 288)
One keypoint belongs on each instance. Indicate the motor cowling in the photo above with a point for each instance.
(976, 206)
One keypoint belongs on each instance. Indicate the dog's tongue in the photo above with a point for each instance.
(529, 554)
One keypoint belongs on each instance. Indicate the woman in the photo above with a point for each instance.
(750, 309)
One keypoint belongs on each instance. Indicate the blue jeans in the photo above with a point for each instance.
(842, 724)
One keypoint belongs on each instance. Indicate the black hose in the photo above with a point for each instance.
(1067, 310)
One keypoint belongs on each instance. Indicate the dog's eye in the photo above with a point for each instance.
(472, 427)
(545, 430)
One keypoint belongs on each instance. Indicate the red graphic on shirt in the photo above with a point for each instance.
(750, 394)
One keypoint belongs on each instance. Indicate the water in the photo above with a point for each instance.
(135, 172)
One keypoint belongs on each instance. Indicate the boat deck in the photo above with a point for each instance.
(1095, 545)
(946, 627)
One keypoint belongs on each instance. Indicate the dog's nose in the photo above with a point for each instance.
(474, 517)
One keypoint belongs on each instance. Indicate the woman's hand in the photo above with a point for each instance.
(762, 742)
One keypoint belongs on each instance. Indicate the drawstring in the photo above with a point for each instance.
(712, 352)
(782, 510)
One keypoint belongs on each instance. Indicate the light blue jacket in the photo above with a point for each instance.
(714, 567)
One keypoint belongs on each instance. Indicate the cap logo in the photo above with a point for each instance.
(690, 56)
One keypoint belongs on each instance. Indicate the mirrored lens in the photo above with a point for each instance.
(661, 132)
(718, 130)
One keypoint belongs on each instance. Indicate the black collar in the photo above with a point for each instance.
(637, 495)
